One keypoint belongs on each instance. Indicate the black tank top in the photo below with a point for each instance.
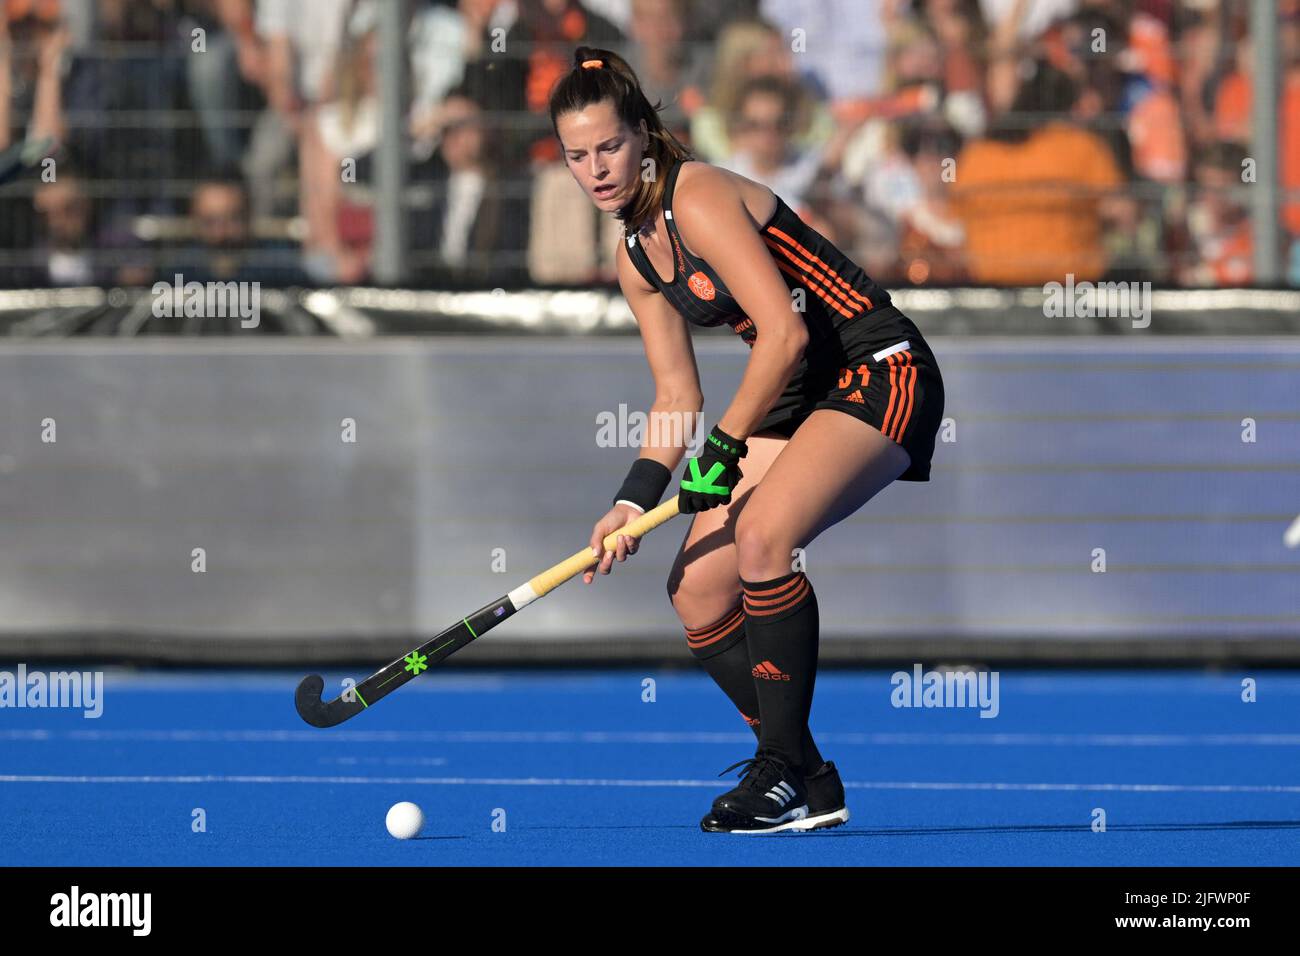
(835, 290)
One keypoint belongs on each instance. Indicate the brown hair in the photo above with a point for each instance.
(775, 86)
(600, 75)
(738, 42)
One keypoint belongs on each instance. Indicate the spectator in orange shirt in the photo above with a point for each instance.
(547, 31)
(1232, 113)
(1034, 195)
(1155, 124)
(1218, 222)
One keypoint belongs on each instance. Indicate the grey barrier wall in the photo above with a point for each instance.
(1065, 309)
(1099, 489)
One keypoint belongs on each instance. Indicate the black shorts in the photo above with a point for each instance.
(879, 369)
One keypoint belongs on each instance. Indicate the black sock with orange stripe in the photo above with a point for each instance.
(781, 634)
(721, 650)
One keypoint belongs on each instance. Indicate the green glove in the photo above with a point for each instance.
(712, 475)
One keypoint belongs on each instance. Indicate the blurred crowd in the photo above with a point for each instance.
(944, 142)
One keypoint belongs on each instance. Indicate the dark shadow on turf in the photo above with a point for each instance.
(848, 830)
(851, 831)
(674, 826)
(414, 839)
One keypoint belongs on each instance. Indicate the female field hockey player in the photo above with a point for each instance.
(840, 397)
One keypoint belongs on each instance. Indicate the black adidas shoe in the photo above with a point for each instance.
(825, 800)
(769, 798)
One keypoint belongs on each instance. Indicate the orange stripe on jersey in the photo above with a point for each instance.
(893, 396)
(835, 275)
(910, 372)
(811, 272)
(852, 291)
(906, 377)
(815, 291)
(808, 268)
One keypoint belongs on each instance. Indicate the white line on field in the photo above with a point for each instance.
(610, 782)
(655, 737)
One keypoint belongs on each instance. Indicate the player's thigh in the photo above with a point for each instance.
(705, 572)
(830, 468)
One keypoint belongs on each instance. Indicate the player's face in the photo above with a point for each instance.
(602, 153)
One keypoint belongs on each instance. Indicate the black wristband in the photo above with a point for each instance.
(645, 483)
(721, 442)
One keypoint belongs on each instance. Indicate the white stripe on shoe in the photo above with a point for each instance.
(781, 792)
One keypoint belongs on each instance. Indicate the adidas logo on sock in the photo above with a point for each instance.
(769, 671)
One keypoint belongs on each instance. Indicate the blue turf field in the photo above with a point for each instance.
(588, 773)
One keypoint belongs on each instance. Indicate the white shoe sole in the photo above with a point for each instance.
(789, 821)
(803, 824)
(824, 820)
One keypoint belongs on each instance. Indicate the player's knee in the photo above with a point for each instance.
(759, 548)
(676, 586)
(684, 591)
(695, 596)
(674, 583)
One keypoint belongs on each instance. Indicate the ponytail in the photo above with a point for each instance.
(600, 75)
